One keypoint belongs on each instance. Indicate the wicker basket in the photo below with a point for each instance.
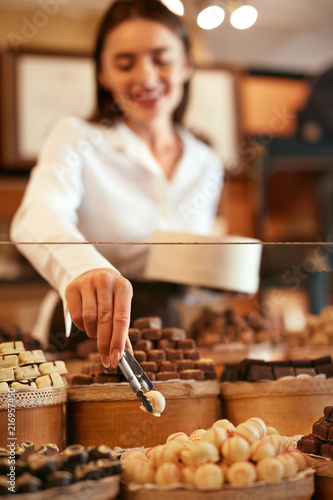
(110, 413)
(300, 487)
(36, 415)
(323, 477)
(290, 406)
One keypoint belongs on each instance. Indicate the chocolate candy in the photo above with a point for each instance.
(151, 376)
(147, 322)
(173, 334)
(109, 467)
(156, 355)
(210, 375)
(4, 453)
(206, 365)
(31, 357)
(149, 366)
(3, 387)
(328, 412)
(163, 376)
(9, 361)
(143, 345)
(75, 454)
(134, 334)
(29, 372)
(59, 478)
(48, 449)
(326, 450)
(87, 471)
(25, 384)
(53, 367)
(101, 451)
(151, 333)
(7, 375)
(174, 354)
(305, 371)
(192, 354)
(166, 344)
(11, 347)
(282, 369)
(167, 366)
(106, 378)
(4, 466)
(80, 379)
(259, 371)
(140, 356)
(185, 364)
(41, 465)
(52, 380)
(192, 374)
(186, 344)
(28, 483)
(310, 444)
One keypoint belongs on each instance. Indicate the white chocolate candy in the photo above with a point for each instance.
(208, 476)
(262, 449)
(270, 470)
(154, 455)
(278, 442)
(259, 423)
(178, 436)
(248, 432)
(197, 435)
(168, 453)
(189, 475)
(53, 367)
(168, 474)
(226, 425)
(52, 380)
(186, 457)
(139, 471)
(9, 361)
(215, 435)
(300, 458)
(271, 430)
(11, 347)
(236, 449)
(31, 357)
(29, 372)
(7, 375)
(19, 385)
(3, 387)
(242, 473)
(158, 402)
(135, 455)
(203, 452)
(289, 463)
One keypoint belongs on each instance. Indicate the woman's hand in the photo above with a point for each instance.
(99, 302)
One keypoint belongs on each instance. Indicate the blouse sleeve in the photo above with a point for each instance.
(45, 226)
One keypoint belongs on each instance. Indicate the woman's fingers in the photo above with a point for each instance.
(74, 302)
(122, 297)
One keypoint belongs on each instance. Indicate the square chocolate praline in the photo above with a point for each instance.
(258, 372)
(310, 444)
(283, 371)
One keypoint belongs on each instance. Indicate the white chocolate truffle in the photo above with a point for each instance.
(225, 467)
(144, 472)
(168, 474)
(262, 449)
(260, 424)
(155, 453)
(158, 402)
(167, 453)
(235, 449)
(248, 432)
(198, 433)
(186, 457)
(177, 436)
(189, 474)
(208, 476)
(203, 452)
(242, 473)
(270, 470)
(278, 442)
(289, 463)
(226, 425)
(300, 458)
(129, 469)
(272, 431)
(215, 435)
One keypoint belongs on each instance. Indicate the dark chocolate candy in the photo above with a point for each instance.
(326, 450)
(140, 356)
(48, 449)
(151, 333)
(156, 355)
(328, 412)
(149, 366)
(310, 444)
(106, 378)
(192, 375)
(79, 379)
(147, 322)
(324, 360)
(210, 375)
(173, 334)
(185, 364)
(165, 344)
(151, 376)
(305, 371)
(87, 471)
(134, 335)
(27, 483)
(59, 478)
(41, 465)
(206, 365)
(174, 354)
(325, 369)
(186, 344)
(101, 451)
(167, 376)
(167, 366)
(193, 354)
(143, 345)
(259, 372)
(283, 371)
(321, 428)
(109, 467)
(75, 454)
(301, 363)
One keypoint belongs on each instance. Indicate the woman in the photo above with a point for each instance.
(130, 171)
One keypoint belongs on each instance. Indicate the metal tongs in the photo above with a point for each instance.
(136, 377)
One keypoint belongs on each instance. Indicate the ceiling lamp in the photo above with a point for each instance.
(244, 17)
(211, 17)
(175, 6)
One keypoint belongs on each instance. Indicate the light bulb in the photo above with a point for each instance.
(244, 17)
(175, 6)
(211, 17)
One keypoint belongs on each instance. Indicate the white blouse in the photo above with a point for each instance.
(93, 184)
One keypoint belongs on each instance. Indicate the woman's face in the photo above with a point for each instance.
(145, 66)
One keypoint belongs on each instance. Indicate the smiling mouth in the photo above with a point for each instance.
(147, 96)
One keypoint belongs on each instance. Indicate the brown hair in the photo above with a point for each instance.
(120, 11)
